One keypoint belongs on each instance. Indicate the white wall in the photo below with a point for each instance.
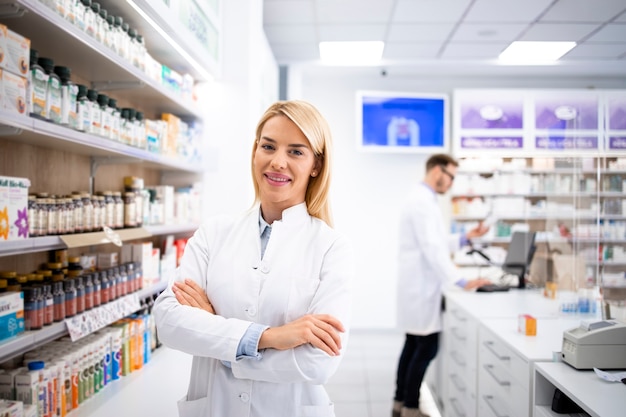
(233, 104)
(368, 188)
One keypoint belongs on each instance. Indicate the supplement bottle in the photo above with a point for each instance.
(33, 215)
(103, 104)
(115, 119)
(87, 212)
(118, 219)
(48, 297)
(53, 92)
(83, 109)
(79, 223)
(95, 114)
(69, 93)
(37, 87)
(70, 297)
(130, 209)
(140, 131)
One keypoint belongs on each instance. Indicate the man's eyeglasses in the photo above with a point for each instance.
(448, 173)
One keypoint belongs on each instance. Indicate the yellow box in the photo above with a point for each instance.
(527, 325)
(14, 51)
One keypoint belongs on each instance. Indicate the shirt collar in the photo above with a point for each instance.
(429, 188)
(262, 223)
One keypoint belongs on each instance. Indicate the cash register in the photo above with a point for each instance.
(595, 344)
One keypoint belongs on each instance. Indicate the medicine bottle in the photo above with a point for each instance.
(37, 87)
(97, 213)
(61, 214)
(33, 315)
(69, 215)
(33, 228)
(48, 316)
(115, 119)
(130, 209)
(80, 293)
(87, 212)
(69, 93)
(70, 297)
(105, 287)
(42, 216)
(58, 295)
(117, 34)
(97, 289)
(103, 212)
(88, 282)
(140, 131)
(123, 284)
(114, 278)
(95, 114)
(125, 42)
(52, 217)
(90, 18)
(98, 22)
(70, 10)
(53, 92)
(79, 222)
(141, 52)
(83, 109)
(135, 185)
(124, 127)
(118, 220)
(130, 272)
(109, 38)
(109, 209)
(103, 103)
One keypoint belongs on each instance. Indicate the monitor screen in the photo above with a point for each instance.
(519, 255)
(402, 122)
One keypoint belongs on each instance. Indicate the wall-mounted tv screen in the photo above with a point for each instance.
(402, 122)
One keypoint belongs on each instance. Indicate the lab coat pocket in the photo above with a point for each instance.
(195, 408)
(316, 411)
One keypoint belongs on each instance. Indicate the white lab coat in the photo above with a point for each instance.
(424, 265)
(307, 268)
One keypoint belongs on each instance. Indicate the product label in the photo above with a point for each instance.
(39, 89)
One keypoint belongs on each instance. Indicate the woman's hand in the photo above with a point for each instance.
(320, 330)
(189, 293)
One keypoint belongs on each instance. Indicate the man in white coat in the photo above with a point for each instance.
(425, 269)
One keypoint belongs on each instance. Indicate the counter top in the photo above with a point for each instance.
(597, 397)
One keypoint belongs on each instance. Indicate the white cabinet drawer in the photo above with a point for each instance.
(497, 400)
(493, 351)
(461, 397)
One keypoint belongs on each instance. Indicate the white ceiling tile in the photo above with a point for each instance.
(295, 52)
(558, 32)
(403, 32)
(353, 11)
(407, 51)
(291, 33)
(597, 51)
(506, 10)
(288, 11)
(473, 50)
(352, 32)
(610, 33)
(432, 11)
(475, 32)
(584, 10)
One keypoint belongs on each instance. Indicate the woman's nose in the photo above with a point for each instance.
(279, 161)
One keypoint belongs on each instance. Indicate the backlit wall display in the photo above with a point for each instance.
(402, 122)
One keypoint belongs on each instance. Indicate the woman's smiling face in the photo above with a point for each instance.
(283, 164)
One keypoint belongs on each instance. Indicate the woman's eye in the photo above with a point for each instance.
(267, 147)
(297, 152)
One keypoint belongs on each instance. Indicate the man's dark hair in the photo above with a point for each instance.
(440, 159)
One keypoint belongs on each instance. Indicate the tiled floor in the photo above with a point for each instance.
(364, 384)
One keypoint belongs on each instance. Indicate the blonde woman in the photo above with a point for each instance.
(262, 301)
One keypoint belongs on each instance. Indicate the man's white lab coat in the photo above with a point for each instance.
(424, 265)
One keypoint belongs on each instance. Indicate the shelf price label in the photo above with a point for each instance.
(95, 319)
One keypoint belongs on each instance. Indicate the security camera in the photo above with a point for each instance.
(383, 72)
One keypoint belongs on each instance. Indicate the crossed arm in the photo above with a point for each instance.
(319, 330)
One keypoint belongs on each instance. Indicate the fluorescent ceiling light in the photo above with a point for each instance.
(351, 53)
(535, 52)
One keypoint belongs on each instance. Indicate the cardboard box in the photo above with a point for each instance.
(13, 208)
(14, 52)
(11, 408)
(11, 314)
(13, 94)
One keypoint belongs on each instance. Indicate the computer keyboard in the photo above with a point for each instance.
(492, 288)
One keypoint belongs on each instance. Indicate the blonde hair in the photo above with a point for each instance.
(315, 128)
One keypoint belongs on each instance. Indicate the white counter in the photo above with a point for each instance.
(597, 397)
